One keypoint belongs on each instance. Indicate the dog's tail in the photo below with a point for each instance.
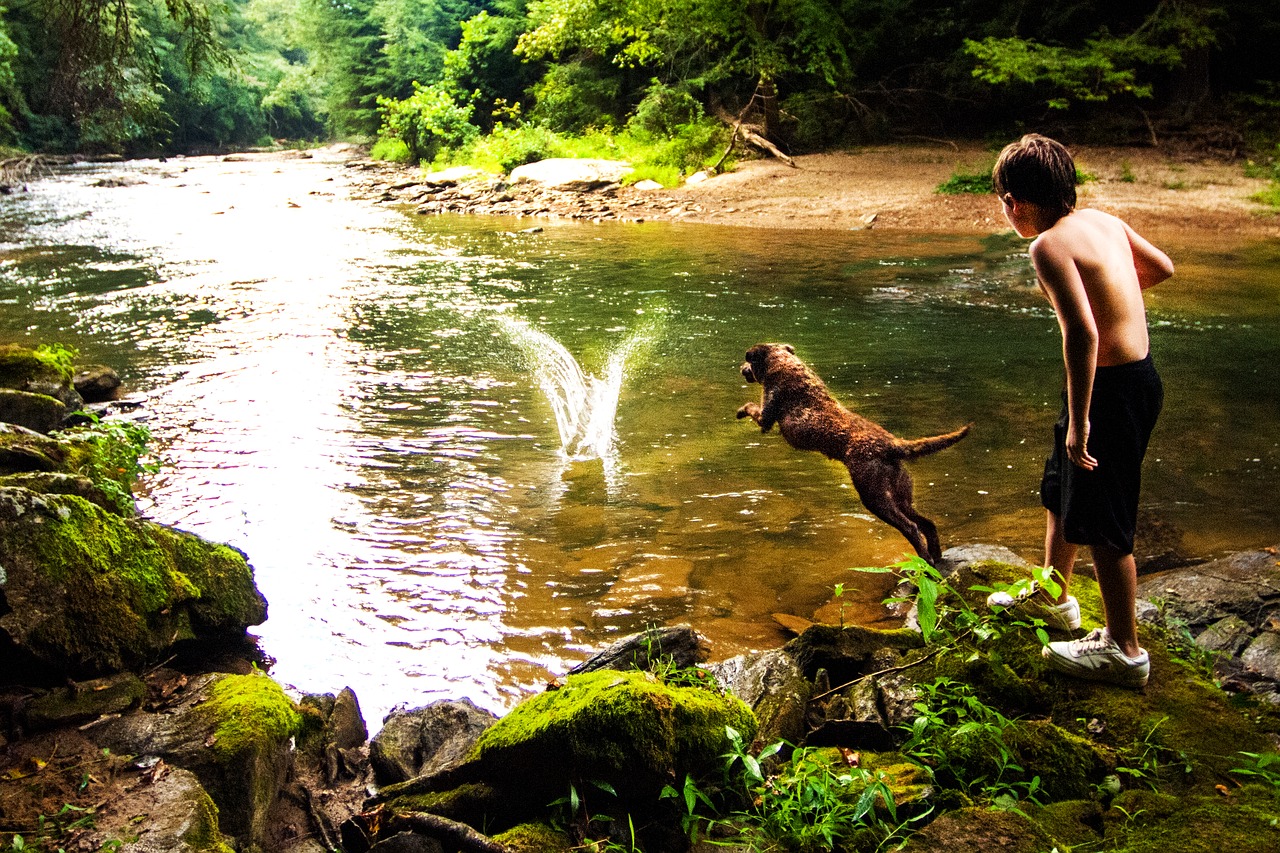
(915, 448)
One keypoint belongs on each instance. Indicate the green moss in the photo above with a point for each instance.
(475, 804)
(251, 715)
(204, 834)
(120, 590)
(535, 838)
(20, 365)
(1245, 820)
(623, 727)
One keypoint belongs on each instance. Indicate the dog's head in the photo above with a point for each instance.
(754, 368)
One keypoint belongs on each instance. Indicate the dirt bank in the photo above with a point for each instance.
(887, 187)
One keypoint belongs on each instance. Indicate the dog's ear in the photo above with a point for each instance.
(789, 348)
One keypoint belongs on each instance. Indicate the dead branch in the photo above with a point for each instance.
(448, 831)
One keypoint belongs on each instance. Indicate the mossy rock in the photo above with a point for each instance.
(987, 830)
(21, 367)
(536, 838)
(626, 729)
(846, 652)
(93, 453)
(1243, 820)
(39, 412)
(85, 592)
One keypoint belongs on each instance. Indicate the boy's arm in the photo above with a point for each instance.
(1061, 282)
(1153, 266)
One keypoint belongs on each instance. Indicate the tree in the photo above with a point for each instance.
(92, 64)
(700, 42)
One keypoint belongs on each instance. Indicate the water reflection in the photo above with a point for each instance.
(387, 412)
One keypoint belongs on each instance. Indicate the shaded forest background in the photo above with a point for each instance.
(510, 80)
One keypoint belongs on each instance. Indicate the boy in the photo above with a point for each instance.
(1093, 268)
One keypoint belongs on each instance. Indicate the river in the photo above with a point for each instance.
(386, 411)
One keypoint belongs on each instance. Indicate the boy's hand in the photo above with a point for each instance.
(1078, 446)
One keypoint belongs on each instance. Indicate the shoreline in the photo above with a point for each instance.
(887, 187)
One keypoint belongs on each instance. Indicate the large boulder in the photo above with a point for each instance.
(575, 174)
(616, 738)
(233, 732)
(38, 412)
(84, 592)
(424, 740)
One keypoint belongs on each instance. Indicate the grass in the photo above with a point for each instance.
(979, 182)
(666, 161)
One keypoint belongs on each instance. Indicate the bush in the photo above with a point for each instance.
(391, 150)
(574, 97)
(427, 122)
(664, 111)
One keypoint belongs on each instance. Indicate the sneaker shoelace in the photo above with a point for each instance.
(1095, 641)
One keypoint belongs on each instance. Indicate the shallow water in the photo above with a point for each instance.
(364, 402)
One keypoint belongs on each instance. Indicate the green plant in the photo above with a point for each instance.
(810, 803)
(118, 457)
(427, 122)
(1147, 759)
(694, 800)
(1126, 173)
(962, 741)
(937, 604)
(961, 183)
(1263, 766)
(1044, 577)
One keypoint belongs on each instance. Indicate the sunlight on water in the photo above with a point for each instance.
(461, 457)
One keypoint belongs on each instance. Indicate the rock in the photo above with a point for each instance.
(698, 177)
(37, 412)
(963, 556)
(86, 700)
(571, 173)
(452, 176)
(1245, 584)
(181, 817)
(1228, 636)
(647, 185)
(97, 383)
(232, 731)
(624, 730)
(1263, 654)
(774, 687)
(988, 830)
(425, 740)
(87, 593)
(677, 645)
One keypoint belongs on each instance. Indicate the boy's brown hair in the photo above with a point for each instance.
(1038, 170)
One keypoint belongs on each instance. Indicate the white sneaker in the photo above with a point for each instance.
(1061, 617)
(1096, 656)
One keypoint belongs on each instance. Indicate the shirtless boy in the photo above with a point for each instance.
(1093, 268)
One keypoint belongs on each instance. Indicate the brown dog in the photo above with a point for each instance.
(809, 418)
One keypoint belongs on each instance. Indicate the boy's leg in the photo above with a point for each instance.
(1118, 585)
(1059, 554)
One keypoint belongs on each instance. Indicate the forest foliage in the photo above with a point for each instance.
(513, 79)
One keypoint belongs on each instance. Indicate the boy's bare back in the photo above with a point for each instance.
(1093, 268)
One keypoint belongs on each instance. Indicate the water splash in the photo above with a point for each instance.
(585, 406)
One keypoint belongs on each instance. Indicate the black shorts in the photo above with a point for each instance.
(1100, 507)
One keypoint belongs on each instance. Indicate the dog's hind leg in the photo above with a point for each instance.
(885, 492)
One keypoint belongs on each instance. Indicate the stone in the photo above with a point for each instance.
(423, 740)
(1263, 654)
(1244, 584)
(97, 383)
(87, 593)
(86, 700)
(233, 732)
(572, 174)
(774, 687)
(37, 412)
(1229, 635)
(676, 645)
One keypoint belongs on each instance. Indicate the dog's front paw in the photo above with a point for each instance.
(749, 410)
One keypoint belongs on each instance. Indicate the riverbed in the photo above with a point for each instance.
(462, 453)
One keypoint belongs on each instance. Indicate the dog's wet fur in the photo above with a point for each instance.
(809, 418)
